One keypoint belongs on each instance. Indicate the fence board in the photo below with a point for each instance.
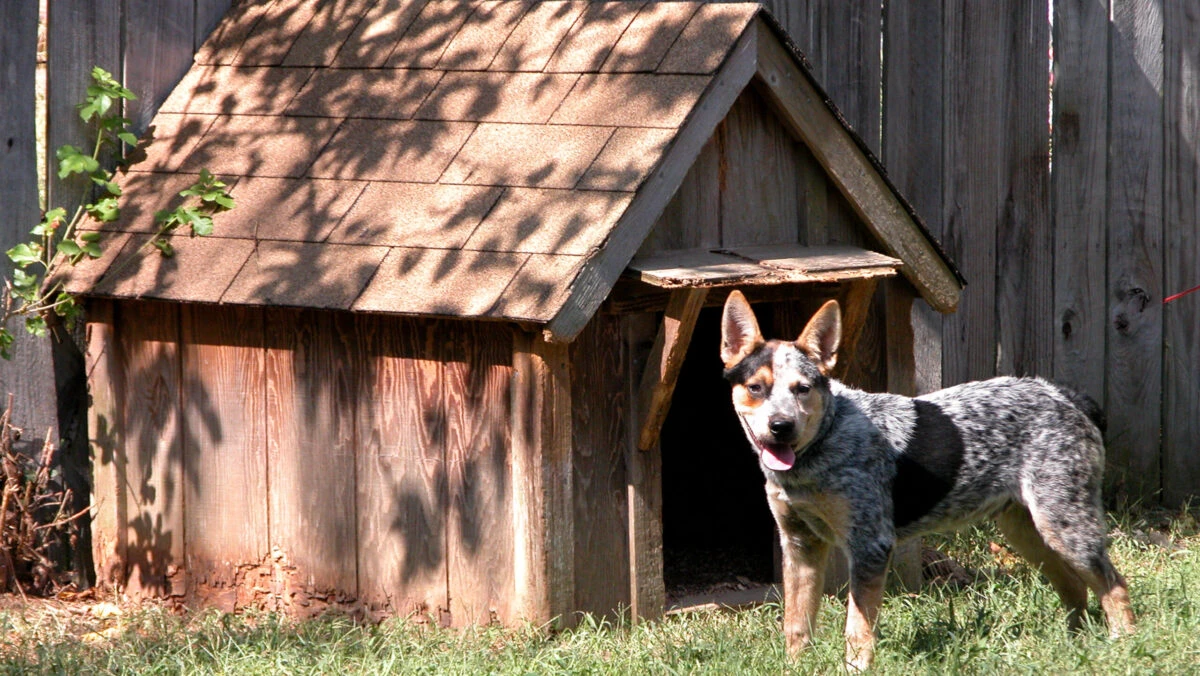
(1080, 193)
(1134, 361)
(1181, 355)
(311, 465)
(1024, 302)
(400, 468)
(479, 524)
(225, 447)
(912, 146)
(30, 376)
(208, 14)
(158, 50)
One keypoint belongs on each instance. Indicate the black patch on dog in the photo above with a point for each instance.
(928, 467)
(741, 371)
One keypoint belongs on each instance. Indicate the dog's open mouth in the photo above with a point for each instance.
(777, 457)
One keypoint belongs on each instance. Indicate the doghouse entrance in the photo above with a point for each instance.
(718, 533)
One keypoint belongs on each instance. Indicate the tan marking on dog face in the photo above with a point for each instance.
(813, 404)
(752, 393)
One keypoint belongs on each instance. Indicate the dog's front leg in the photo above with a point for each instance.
(870, 554)
(804, 558)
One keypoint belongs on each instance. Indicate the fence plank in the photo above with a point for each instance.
(1181, 356)
(912, 146)
(1080, 192)
(30, 376)
(159, 35)
(1024, 240)
(208, 13)
(1134, 361)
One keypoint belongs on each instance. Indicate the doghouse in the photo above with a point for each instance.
(428, 363)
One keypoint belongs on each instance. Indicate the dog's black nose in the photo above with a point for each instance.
(782, 428)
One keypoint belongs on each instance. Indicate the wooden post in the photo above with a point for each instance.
(106, 427)
(643, 476)
(902, 379)
(543, 508)
(666, 359)
(855, 300)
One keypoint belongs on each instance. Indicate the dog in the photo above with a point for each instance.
(859, 470)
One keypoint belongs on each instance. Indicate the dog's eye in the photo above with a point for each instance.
(755, 389)
(801, 389)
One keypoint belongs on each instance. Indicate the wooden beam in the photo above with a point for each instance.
(855, 299)
(666, 358)
(542, 474)
(802, 107)
(643, 476)
(902, 379)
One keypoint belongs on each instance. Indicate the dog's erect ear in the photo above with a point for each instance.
(822, 335)
(739, 330)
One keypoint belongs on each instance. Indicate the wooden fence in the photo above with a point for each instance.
(1051, 145)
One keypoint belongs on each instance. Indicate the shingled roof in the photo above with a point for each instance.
(449, 157)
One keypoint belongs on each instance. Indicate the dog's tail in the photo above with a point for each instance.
(1087, 405)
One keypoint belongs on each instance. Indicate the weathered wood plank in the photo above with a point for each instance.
(400, 468)
(29, 377)
(479, 529)
(223, 392)
(692, 219)
(657, 382)
(159, 38)
(543, 506)
(643, 476)
(855, 301)
(310, 446)
(1135, 247)
(912, 145)
(106, 437)
(1080, 192)
(899, 318)
(1024, 305)
(1181, 357)
(872, 199)
(155, 467)
(758, 190)
(597, 278)
(759, 265)
(208, 14)
(602, 415)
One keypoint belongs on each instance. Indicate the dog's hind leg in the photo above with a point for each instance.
(1017, 526)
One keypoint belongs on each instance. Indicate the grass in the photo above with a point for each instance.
(1008, 621)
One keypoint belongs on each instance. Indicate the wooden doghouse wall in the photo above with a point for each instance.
(318, 456)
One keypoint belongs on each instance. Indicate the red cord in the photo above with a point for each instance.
(1181, 294)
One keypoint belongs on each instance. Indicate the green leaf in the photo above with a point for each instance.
(24, 254)
(6, 341)
(25, 286)
(90, 236)
(104, 210)
(164, 246)
(69, 248)
(65, 307)
(36, 325)
(92, 250)
(224, 200)
(128, 138)
(71, 161)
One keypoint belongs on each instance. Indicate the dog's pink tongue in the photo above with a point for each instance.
(779, 460)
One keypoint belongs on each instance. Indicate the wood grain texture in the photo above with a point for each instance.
(759, 180)
(208, 14)
(159, 36)
(478, 358)
(155, 471)
(855, 300)
(692, 219)
(643, 475)
(543, 480)
(1135, 247)
(1181, 210)
(106, 437)
(871, 198)
(1080, 193)
(657, 382)
(310, 446)
(223, 392)
(600, 420)
(401, 468)
(29, 377)
(912, 144)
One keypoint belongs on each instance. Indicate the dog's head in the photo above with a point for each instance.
(780, 388)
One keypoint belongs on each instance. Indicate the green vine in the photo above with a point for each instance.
(58, 240)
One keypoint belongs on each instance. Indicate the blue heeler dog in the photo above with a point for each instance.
(863, 470)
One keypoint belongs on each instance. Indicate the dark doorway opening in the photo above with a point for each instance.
(718, 533)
